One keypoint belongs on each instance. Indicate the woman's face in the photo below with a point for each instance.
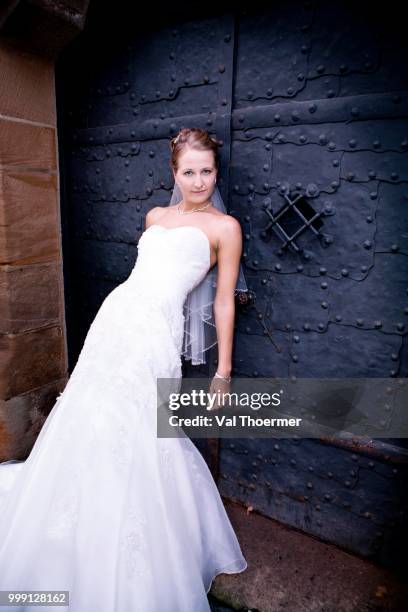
(196, 175)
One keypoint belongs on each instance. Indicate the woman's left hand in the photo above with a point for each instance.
(218, 387)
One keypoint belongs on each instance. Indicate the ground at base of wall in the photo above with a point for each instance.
(289, 570)
(218, 606)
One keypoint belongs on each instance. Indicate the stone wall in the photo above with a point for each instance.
(33, 355)
(33, 361)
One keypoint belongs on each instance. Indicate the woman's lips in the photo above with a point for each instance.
(200, 191)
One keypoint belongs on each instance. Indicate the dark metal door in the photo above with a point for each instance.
(310, 101)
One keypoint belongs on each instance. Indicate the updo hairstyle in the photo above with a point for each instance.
(196, 138)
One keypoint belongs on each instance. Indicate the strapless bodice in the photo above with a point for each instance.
(171, 262)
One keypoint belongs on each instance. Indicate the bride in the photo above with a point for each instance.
(103, 508)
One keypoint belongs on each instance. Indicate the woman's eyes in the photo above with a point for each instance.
(205, 172)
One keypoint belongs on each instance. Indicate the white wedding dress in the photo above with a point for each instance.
(102, 508)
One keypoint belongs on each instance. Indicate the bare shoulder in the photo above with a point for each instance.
(228, 227)
(228, 234)
(154, 214)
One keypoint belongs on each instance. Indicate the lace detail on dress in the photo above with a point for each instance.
(166, 455)
(121, 448)
(176, 326)
(201, 476)
(63, 514)
(133, 544)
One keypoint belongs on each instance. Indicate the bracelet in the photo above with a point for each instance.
(227, 378)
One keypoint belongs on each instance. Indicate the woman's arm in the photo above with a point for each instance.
(228, 261)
